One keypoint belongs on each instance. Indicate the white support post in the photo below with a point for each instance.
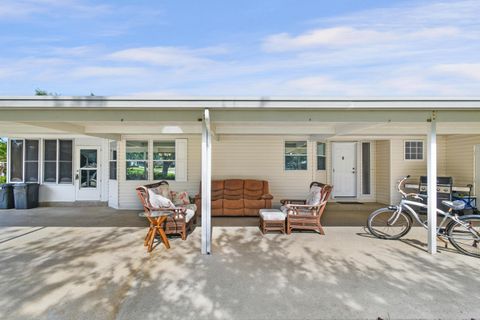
(432, 186)
(206, 184)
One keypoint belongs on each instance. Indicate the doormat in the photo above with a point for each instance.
(349, 202)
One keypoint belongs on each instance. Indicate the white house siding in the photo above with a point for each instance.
(460, 158)
(233, 156)
(126, 189)
(415, 168)
(383, 171)
(50, 192)
(262, 157)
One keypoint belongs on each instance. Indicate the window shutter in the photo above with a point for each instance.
(181, 160)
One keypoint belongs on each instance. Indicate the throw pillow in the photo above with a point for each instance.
(181, 198)
(159, 201)
(313, 197)
(164, 191)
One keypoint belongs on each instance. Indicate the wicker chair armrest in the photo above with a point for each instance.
(267, 196)
(174, 210)
(293, 206)
(292, 201)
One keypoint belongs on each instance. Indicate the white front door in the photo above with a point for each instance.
(344, 169)
(88, 175)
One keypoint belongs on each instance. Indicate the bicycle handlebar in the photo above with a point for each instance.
(406, 195)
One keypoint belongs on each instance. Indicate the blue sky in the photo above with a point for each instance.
(247, 48)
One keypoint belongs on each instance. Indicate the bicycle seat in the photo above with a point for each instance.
(455, 205)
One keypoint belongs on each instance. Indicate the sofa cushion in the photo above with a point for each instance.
(217, 189)
(233, 189)
(253, 189)
(233, 207)
(254, 204)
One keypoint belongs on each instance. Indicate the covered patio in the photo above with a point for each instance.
(96, 269)
(222, 120)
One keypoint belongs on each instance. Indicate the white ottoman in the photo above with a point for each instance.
(272, 220)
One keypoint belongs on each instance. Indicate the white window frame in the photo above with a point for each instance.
(57, 161)
(317, 155)
(284, 155)
(9, 160)
(405, 149)
(153, 160)
(110, 160)
(148, 160)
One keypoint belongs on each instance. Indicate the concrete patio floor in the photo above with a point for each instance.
(101, 271)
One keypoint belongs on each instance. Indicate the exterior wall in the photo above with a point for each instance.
(255, 157)
(415, 168)
(460, 158)
(126, 189)
(383, 171)
(50, 192)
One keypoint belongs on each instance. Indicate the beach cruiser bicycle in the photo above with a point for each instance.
(395, 221)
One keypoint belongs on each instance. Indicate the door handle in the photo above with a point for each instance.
(76, 176)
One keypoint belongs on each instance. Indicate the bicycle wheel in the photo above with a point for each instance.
(380, 224)
(462, 238)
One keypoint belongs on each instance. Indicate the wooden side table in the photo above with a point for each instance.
(156, 219)
(272, 220)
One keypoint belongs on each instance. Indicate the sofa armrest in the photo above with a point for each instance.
(267, 196)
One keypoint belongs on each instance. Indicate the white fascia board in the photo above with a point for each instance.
(369, 103)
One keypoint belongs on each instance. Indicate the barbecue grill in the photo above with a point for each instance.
(444, 191)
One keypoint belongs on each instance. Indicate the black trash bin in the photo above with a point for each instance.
(26, 195)
(6, 196)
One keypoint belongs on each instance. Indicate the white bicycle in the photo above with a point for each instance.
(395, 221)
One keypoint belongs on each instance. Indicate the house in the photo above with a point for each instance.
(98, 149)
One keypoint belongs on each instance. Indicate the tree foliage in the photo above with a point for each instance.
(3, 150)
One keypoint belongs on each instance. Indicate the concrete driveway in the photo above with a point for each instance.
(104, 272)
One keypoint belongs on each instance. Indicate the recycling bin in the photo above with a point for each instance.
(26, 195)
(6, 196)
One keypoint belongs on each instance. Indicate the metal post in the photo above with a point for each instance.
(206, 184)
(432, 186)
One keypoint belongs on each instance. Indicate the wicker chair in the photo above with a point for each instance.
(176, 223)
(303, 216)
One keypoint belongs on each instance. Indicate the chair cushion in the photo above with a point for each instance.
(217, 189)
(159, 201)
(272, 214)
(314, 196)
(163, 190)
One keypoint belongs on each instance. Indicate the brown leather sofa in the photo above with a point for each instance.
(238, 197)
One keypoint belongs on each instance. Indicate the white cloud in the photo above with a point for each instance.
(465, 70)
(92, 72)
(346, 36)
(164, 56)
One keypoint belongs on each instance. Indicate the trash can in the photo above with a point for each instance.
(6, 196)
(26, 195)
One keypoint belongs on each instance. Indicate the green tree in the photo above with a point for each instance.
(3, 150)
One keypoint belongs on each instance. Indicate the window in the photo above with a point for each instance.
(164, 160)
(16, 160)
(65, 163)
(413, 150)
(113, 160)
(321, 156)
(24, 160)
(136, 160)
(58, 161)
(50, 161)
(366, 168)
(31, 160)
(295, 155)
